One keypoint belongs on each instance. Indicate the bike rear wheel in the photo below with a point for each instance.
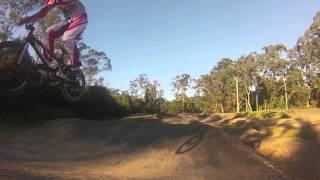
(13, 76)
(74, 90)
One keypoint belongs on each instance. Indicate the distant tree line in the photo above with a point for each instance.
(274, 78)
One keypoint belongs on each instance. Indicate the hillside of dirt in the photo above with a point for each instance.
(147, 147)
(290, 139)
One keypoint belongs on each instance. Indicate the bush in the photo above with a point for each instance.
(47, 103)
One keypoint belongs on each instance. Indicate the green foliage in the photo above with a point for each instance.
(99, 103)
(124, 101)
(146, 96)
(10, 13)
(299, 96)
(180, 85)
(47, 103)
(93, 62)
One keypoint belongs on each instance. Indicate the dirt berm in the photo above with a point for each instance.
(79, 149)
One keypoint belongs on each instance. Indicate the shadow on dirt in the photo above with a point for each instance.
(191, 143)
(98, 140)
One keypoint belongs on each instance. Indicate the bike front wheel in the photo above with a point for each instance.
(74, 90)
(13, 75)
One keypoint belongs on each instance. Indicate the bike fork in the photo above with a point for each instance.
(17, 61)
(22, 53)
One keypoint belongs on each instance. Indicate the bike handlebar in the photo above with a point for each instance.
(29, 26)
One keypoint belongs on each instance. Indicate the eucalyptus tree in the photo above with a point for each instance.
(306, 56)
(153, 97)
(138, 86)
(10, 13)
(216, 91)
(181, 84)
(277, 63)
(94, 62)
(146, 95)
(247, 69)
(205, 93)
(224, 75)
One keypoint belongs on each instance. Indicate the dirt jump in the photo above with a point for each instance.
(170, 148)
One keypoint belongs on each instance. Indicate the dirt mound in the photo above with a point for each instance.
(301, 157)
(78, 149)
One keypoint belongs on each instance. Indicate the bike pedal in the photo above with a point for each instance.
(63, 76)
(43, 72)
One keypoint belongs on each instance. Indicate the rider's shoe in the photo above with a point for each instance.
(60, 73)
(70, 73)
(53, 64)
(74, 72)
(75, 68)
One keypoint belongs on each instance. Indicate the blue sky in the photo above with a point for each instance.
(165, 38)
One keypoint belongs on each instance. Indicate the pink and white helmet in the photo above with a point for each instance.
(61, 2)
(49, 2)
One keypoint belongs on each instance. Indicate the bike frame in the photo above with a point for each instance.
(35, 43)
(59, 75)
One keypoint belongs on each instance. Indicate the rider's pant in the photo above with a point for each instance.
(71, 34)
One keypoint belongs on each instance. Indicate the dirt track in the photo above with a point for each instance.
(144, 149)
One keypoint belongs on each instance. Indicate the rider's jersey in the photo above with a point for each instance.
(73, 9)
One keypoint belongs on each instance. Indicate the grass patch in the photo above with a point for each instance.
(276, 125)
(280, 132)
(264, 115)
(138, 118)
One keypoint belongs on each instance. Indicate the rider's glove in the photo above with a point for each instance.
(24, 20)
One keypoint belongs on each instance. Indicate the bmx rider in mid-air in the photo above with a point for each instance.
(70, 29)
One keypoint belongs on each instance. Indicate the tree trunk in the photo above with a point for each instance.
(248, 101)
(237, 89)
(183, 101)
(309, 97)
(285, 93)
(247, 109)
(257, 101)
